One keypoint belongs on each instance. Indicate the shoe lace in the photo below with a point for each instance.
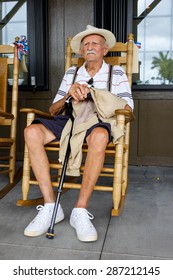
(41, 214)
(40, 207)
(89, 215)
(86, 218)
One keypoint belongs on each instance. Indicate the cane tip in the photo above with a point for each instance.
(50, 234)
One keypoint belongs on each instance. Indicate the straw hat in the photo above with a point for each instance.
(108, 35)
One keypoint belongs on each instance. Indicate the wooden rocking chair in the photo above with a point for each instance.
(8, 119)
(118, 171)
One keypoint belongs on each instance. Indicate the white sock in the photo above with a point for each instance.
(49, 205)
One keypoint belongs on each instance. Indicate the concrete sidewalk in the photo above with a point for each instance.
(143, 231)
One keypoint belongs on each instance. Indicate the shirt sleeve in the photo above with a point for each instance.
(120, 85)
(65, 84)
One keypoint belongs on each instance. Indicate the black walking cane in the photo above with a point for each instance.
(50, 233)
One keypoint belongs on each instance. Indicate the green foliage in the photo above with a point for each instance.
(164, 65)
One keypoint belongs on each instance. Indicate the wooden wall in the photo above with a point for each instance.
(152, 132)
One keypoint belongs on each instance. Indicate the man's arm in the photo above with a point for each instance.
(77, 91)
(57, 107)
(121, 87)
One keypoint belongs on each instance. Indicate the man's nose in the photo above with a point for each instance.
(90, 46)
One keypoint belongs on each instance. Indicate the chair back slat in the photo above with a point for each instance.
(8, 58)
(3, 83)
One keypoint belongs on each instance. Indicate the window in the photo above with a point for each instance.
(153, 28)
(28, 18)
(14, 17)
(18, 21)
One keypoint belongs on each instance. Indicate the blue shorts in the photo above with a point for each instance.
(57, 124)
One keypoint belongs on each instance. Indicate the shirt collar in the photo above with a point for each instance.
(102, 70)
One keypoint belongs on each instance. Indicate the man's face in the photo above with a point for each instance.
(93, 48)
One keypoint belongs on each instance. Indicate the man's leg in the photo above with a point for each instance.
(36, 136)
(80, 217)
(97, 142)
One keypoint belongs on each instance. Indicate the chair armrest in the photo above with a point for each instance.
(6, 115)
(129, 115)
(36, 112)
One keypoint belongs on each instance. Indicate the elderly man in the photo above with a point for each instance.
(93, 44)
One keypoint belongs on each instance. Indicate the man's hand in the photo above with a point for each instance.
(79, 92)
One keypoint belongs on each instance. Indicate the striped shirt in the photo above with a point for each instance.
(119, 82)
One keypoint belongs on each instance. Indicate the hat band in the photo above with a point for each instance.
(93, 34)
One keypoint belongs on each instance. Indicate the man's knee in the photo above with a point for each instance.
(99, 138)
(32, 133)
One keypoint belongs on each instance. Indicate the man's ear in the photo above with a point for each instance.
(81, 51)
(106, 49)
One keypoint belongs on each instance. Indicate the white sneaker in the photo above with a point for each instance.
(80, 221)
(42, 221)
